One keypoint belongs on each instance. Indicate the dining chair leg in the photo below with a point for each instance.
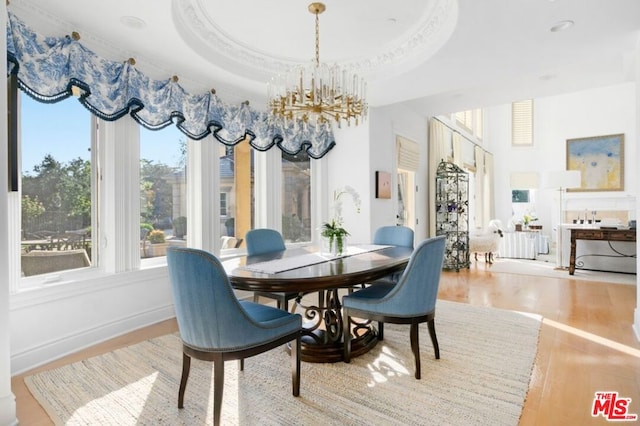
(256, 298)
(434, 340)
(186, 366)
(346, 333)
(295, 366)
(241, 364)
(380, 331)
(415, 347)
(218, 388)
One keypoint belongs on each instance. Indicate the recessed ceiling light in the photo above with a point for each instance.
(547, 77)
(133, 22)
(562, 25)
(392, 20)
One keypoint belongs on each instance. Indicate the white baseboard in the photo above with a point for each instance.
(52, 350)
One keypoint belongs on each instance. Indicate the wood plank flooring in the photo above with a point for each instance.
(586, 342)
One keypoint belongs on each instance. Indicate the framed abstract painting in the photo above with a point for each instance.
(600, 160)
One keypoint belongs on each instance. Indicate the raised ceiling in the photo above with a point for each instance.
(437, 56)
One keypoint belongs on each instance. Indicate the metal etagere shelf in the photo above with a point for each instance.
(452, 220)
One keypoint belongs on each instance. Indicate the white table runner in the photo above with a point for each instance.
(295, 262)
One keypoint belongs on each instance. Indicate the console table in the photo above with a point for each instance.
(597, 235)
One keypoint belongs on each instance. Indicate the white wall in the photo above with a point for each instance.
(602, 111)
(67, 317)
(363, 150)
(386, 124)
(348, 165)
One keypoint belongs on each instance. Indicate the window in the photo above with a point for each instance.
(236, 189)
(471, 121)
(163, 208)
(465, 119)
(478, 129)
(56, 202)
(296, 197)
(141, 190)
(522, 123)
(408, 161)
(223, 204)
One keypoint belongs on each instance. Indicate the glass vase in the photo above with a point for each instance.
(333, 246)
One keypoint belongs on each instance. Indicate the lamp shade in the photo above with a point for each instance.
(563, 179)
(523, 180)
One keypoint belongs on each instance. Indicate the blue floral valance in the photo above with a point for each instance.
(49, 67)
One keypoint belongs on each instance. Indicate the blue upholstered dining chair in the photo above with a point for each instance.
(215, 326)
(393, 236)
(262, 241)
(411, 301)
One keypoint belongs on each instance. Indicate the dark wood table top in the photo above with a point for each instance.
(345, 271)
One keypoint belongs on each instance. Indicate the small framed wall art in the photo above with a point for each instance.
(519, 195)
(383, 185)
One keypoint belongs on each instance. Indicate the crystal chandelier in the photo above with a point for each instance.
(318, 94)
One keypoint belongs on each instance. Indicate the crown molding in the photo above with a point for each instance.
(417, 44)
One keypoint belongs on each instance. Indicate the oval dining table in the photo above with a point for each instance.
(322, 339)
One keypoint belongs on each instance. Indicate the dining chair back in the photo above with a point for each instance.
(411, 301)
(392, 236)
(261, 241)
(215, 326)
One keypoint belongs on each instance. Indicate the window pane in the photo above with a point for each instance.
(236, 194)
(56, 186)
(296, 197)
(522, 123)
(478, 131)
(163, 208)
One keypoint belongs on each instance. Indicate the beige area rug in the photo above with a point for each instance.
(547, 268)
(482, 378)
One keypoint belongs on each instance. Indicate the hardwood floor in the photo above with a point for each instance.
(586, 342)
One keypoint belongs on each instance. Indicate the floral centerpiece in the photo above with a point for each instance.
(525, 220)
(334, 230)
(528, 217)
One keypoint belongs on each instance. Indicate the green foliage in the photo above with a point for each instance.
(156, 193)
(146, 226)
(32, 207)
(56, 196)
(180, 226)
(63, 191)
(156, 236)
(333, 229)
(335, 232)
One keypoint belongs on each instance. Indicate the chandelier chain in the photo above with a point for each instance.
(317, 38)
